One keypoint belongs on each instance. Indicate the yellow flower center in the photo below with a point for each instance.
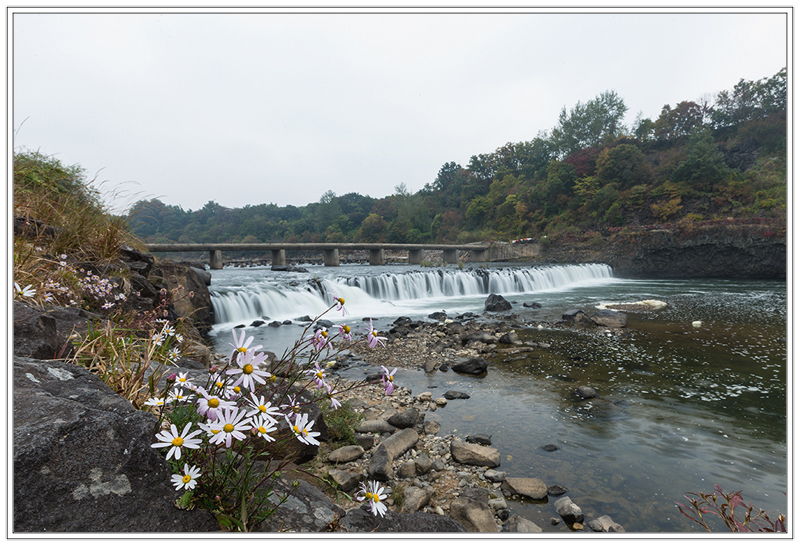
(228, 428)
(368, 495)
(187, 479)
(219, 384)
(214, 431)
(248, 369)
(213, 403)
(237, 389)
(304, 432)
(324, 334)
(262, 430)
(242, 349)
(346, 329)
(374, 333)
(263, 408)
(319, 374)
(391, 379)
(341, 301)
(177, 441)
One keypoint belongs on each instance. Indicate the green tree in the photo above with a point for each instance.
(624, 164)
(588, 124)
(705, 165)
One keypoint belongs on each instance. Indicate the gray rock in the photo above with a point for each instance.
(406, 419)
(568, 510)
(400, 442)
(532, 305)
(604, 524)
(44, 334)
(510, 338)
(533, 488)
(550, 447)
(407, 470)
(346, 454)
(431, 428)
(430, 365)
(475, 516)
(474, 454)
(609, 318)
(574, 315)
(482, 439)
(380, 464)
(480, 335)
(556, 490)
(366, 441)
(307, 509)
(82, 459)
(359, 520)
(498, 503)
(423, 464)
(496, 303)
(517, 524)
(415, 499)
(494, 476)
(344, 480)
(584, 392)
(456, 395)
(473, 366)
(375, 425)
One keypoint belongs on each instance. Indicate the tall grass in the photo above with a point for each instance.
(62, 212)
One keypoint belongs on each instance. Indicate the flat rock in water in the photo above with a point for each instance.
(533, 488)
(517, 524)
(568, 510)
(474, 454)
(482, 439)
(584, 392)
(456, 395)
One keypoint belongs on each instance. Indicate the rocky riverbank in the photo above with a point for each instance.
(400, 444)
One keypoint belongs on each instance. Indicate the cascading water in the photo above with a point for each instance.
(388, 293)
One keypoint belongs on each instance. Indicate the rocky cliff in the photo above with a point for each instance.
(735, 251)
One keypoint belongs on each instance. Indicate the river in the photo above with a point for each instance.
(682, 407)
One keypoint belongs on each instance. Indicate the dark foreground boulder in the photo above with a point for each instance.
(473, 366)
(82, 458)
(496, 303)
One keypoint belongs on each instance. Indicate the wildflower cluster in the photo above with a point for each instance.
(247, 410)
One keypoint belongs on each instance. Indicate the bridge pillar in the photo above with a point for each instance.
(215, 259)
(279, 257)
(332, 257)
(414, 257)
(449, 256)
(376, 256)
(477, 255)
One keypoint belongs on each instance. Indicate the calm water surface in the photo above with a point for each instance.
(681, 408)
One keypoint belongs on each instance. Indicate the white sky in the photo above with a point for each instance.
(279, 108)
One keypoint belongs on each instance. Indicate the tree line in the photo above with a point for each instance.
(697, 161)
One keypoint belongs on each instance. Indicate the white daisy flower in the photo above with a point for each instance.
(188, 479)
(231, 425)
(263, 425)
(374, 494)
(174, 441)
(27, 292)
(302, 429)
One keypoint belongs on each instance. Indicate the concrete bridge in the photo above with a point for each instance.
(331, 250)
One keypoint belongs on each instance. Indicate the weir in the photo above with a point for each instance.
(281, 300)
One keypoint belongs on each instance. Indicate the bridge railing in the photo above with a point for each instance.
(331, 250)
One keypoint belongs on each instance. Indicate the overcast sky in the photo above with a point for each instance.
(278, 108)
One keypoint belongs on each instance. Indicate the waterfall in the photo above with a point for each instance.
(438, 283)
(373, 295)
